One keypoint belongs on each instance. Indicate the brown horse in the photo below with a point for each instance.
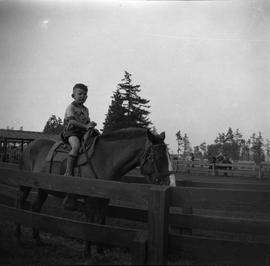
(115, 154)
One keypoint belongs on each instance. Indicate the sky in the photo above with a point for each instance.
(204, 65)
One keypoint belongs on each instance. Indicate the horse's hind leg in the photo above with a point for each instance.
(101, 211)
(21, 203)
(36, 207)
(89, 218)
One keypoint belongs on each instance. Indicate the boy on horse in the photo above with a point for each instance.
(76, 124)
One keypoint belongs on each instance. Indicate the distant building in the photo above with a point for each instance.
(12, 142)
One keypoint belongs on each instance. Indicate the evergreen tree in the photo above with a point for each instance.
(186, 145)
(127, 108)
(114, 118)
(229, 137)
(257, 147)
(267, 149)
(203, 149)
(197, 152)
(180, 143)
(54, 125)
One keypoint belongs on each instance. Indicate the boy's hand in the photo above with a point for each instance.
(91, 125)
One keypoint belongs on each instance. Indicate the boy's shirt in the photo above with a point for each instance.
(77, 112)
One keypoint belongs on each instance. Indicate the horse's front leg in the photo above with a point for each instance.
(95, 210)
(36, 207)
(21, 203)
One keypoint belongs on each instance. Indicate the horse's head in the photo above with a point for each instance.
(155, 160)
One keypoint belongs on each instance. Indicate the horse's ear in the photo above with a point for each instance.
(150, 135)
(162, 135)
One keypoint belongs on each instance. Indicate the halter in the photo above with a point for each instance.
(150, 156)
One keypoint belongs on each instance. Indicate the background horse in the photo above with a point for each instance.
(115, 154)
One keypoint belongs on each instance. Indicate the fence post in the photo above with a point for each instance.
(158, 215)
(138, 252)
(259, 173)
(214, 171)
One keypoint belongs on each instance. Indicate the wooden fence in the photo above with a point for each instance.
(245, 169)
(226, 223)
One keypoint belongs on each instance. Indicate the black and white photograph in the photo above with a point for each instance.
(135, 132)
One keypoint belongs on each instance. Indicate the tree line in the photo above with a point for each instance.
(230, 143)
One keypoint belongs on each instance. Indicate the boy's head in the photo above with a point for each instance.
(80, 93)
(79, 86)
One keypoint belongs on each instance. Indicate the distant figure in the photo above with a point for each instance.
(219, 158)
(212, 160)
(192, 158)
(227, 160)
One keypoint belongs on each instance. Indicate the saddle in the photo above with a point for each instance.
(56, 158)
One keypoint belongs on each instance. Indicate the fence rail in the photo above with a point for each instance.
(248, 169)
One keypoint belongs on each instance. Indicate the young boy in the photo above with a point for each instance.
(76, 123)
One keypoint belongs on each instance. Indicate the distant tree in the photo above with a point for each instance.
(54, 125)
(186, 146)
(245, 151)
(229, 136)
(257, 147)
(220, 139)
(214, 149)
(230, 143)
(197, 152)
(127, 108)
(180, 142)
(267, 149)
(203, 149)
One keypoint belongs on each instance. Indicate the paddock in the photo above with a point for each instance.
(209, 220)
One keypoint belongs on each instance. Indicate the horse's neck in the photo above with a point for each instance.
(113, 159)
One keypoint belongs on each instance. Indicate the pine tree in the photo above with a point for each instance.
(186, 146)
(180, 143)
(127, 108)
(114, 118)
(257, 147)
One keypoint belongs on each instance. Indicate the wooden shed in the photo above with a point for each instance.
(12, 142)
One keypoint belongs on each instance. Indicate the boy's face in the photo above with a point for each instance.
(79, 95)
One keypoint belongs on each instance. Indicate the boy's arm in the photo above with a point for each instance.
(74, 122)
(71, 120)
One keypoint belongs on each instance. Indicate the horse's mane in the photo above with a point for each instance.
(126, 133)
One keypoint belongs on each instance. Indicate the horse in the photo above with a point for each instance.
(115, 154)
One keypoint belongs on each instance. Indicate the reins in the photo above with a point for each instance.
(149, 156)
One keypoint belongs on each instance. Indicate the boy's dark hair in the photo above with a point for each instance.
(80, 86)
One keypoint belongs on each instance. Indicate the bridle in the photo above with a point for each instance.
(149, 156)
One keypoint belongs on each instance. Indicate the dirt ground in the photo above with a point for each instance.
(58, 250)
(55, 251)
